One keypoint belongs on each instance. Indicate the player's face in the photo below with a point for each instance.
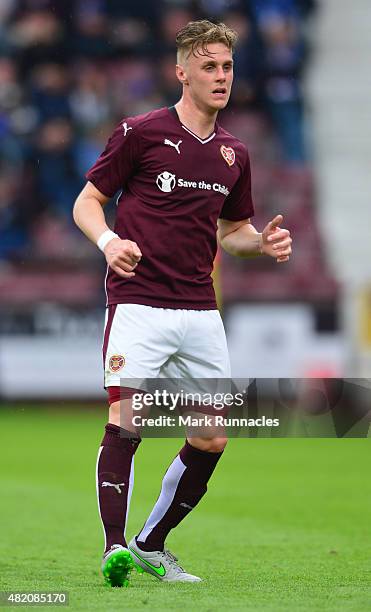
(208, 78)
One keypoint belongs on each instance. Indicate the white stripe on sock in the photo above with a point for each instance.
(130, 490)
(97, 488)
(168, 490)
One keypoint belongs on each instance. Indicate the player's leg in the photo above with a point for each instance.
(114, 481)
(203, 354)
(183, 486)
(131, 348)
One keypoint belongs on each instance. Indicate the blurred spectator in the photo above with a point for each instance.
(145, 10)
(13, 227)
(20, 205)
(49, 88)
(89, 146)
(172, 21)
(265, 8)
(38, 36)
(10, 87)
(90, 96)
(218, 8)
(7, 8)
(54, 154)
(133, 87)
(129, 35)
(170, 86)
(92, 36)
(283, 63)
(247, 60)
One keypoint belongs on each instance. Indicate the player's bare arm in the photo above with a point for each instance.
(241, 239)
(121, 255)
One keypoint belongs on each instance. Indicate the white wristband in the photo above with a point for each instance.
(105, 238)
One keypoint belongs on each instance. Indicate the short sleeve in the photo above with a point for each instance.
(239, 205)
(118, 161)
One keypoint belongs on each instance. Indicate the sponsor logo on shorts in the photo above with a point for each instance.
(228, 154)
(116, 363)
(167, 182)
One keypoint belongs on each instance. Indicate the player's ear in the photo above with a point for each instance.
(181, 74)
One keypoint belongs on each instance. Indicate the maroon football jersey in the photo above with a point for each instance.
(175, 186)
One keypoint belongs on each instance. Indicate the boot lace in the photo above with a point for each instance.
(173, 560)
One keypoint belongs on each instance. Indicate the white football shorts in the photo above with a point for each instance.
(143, 342)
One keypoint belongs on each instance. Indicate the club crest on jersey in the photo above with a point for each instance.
(228, 155)
(116, 363)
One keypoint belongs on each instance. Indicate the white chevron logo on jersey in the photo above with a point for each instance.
(126, 128)
(172, 144)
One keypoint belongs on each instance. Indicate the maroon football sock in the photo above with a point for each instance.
(184, 484)
(114, 479)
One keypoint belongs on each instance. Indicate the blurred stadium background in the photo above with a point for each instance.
(70, 70)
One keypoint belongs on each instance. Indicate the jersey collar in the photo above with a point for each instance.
(174, 113)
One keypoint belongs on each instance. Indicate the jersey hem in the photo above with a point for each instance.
(162, 304)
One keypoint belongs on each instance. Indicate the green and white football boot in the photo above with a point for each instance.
(116, 566)
(161, 564)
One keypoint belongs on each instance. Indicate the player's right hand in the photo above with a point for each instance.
(123, 256)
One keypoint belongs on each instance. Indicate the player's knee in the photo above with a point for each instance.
(120, 414)
(217, 445)
(210, 445)
(115, 413)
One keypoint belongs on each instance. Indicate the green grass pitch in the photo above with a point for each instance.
(285, 524)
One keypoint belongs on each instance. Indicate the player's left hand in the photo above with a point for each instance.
(276, 241)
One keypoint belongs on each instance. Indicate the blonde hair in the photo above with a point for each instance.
(198, 34)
